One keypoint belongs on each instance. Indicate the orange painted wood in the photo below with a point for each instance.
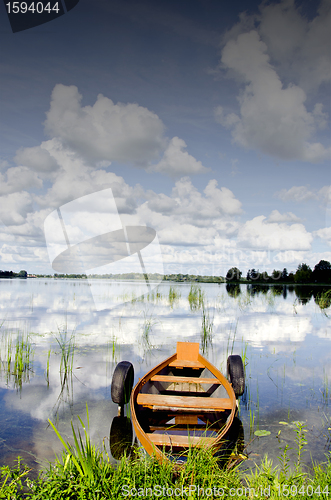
(184, 363)
(172, 412)
(188, 351)
(184, 402)
(189, 380)
(181, 441)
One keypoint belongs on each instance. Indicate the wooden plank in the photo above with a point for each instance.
(184, 363)
(186, 419)
(175, 409)
(189, 380)
(179, 441)
(188, 350)
(184, 402)
(181, 427)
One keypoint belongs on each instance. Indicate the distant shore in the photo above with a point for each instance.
(173, 278)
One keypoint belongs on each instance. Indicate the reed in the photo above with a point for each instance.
(251, 421)
(22, 361)
(231, 336)
(147, 327)
(174, 295)
(207, 324)
(67, 350)
(244, 353)
(195, 297)
(47, 367)
(17, 359)
(323, 300)
(325, 391)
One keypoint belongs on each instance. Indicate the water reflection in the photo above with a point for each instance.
(233, 289)
(121, 441)
(121, 437)
(283, 334)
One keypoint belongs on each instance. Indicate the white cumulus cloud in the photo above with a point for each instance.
(258, 233)
(105, 131)
(301, 194)
(177, 162)
(276, 216)
(37, 158)
(279, 57)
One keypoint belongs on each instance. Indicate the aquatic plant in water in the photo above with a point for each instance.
(207, 324)
(195, 297)
(147, 326)
(67, 349)
(174, 295)
(16, 359)
(323, 300)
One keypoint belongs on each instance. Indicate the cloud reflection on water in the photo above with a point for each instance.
(273, 328)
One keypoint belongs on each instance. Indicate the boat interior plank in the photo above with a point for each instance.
(194, 402)
(179, 441)
(189, 380)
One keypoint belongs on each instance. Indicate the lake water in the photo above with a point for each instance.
(70, 351)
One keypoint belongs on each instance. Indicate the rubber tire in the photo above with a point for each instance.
(122, 382)
(236, 374)
(120, 438)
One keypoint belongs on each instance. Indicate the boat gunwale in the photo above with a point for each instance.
(150, 447)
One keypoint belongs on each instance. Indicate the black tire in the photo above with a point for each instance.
(120, 438)
(122, 382)
(236, 374)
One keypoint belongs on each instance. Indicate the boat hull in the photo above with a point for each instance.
(182, 402)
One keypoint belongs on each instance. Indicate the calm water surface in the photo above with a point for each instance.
(281, 333)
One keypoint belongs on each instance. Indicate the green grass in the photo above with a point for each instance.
(147, 328)
(207, 324)
(195, 297)
(174, 295)
(67, 350)
(16, 359)
(85, 472)
(323, 300)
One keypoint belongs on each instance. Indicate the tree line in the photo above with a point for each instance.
(11, 274)
(304, 274)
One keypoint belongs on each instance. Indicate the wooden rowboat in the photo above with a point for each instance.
(184, 401)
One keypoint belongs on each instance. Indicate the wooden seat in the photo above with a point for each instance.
(184, 402)
(189, 380)
(187, 356)
(174, 440)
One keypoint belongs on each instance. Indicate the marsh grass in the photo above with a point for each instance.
(147, 328)
(47, 367)
(195, 297)
(323, 300)
(231, 338)
(325, 390)
(23, 361)
(66, 344)
(16, 359)
(174, 295)
(207, 324)
(154, 295)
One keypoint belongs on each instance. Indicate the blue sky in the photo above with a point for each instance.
(210, 122)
